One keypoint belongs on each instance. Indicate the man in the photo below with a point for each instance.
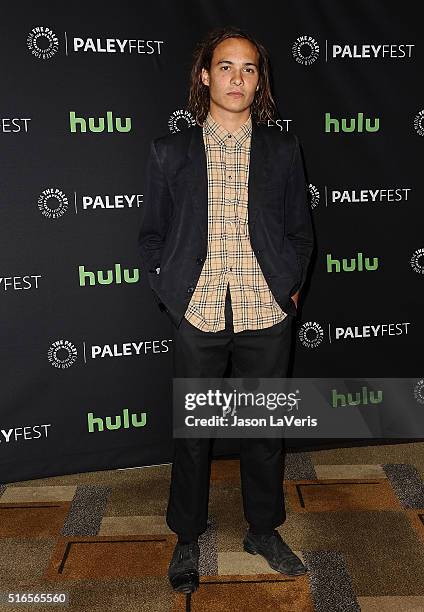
(226, 239)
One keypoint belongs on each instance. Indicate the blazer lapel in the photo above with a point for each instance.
(259, 168)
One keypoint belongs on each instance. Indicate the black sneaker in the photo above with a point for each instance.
(278, 554)
(183, 571)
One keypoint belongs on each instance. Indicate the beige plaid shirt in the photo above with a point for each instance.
(230, 258)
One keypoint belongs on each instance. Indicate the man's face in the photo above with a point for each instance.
(234, 68)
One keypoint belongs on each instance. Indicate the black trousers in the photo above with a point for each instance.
(255, 353)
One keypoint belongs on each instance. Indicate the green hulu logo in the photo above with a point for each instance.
(351, 125)
(116, 422)
(107, 278)
(98, 124)
(360, 398)
(353, 264)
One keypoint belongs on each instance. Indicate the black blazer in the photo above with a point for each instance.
(174, 229)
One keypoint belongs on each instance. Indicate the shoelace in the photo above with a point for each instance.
(268, 538)
(273, 540)
(277, 543)
(184, 551)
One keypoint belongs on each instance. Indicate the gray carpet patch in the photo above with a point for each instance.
(331, 586)
(86, 511)
(407, 484)
(299, 466)
(208, 560)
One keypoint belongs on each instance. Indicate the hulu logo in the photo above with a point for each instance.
(108, 277)
(351, 125)
(99, 124)
(358, 264)
(116, 422)
(360, 398)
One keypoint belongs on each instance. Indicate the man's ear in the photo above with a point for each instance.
(205, 77)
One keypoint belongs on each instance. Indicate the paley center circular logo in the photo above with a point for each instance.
(43, 42)
(178, 115)
(314, 195)
(52, 203)
(417, 261)
(311, 334)
(305, 50)
(62, 354)
(419, 122)
(419, 391)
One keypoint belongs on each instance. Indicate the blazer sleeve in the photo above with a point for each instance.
(157, 211)
(297, 213)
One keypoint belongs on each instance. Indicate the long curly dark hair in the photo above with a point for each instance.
(263, 106)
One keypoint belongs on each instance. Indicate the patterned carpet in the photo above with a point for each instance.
(355, 516)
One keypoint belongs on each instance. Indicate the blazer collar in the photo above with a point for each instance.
(259, 170)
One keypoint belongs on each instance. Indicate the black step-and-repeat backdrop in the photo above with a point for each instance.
(86, 355)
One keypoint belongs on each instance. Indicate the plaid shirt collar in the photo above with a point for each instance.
(220, 134)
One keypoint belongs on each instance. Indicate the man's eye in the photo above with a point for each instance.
(249, 69)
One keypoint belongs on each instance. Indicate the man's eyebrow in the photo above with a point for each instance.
(230, 62)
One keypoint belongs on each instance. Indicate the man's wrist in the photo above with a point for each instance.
(295, 297)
